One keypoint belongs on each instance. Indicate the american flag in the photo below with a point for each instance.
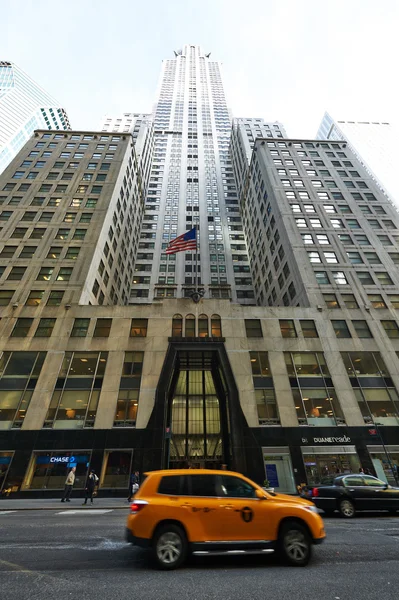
(186, 241)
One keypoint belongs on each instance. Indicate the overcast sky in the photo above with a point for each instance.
(286, 60)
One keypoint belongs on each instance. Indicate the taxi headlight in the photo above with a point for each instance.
(312, 508)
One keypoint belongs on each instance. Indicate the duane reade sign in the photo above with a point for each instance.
(328, 440)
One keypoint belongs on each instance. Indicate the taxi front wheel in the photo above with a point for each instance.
(294, 545)
(169, 547)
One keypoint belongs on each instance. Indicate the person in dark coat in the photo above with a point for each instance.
(134, 484)
(91, 483)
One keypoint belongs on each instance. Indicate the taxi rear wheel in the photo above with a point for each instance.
(169, 547)
(294, 544)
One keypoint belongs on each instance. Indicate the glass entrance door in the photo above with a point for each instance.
(195, 414)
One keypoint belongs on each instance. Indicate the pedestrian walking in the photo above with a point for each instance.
(361, 470)
(134, 484)
(91, 483)
(69, 482)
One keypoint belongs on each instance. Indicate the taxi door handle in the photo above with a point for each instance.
(186, 505)
(227, 506)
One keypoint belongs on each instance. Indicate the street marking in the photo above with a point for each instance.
(94, 511)
(6, 512)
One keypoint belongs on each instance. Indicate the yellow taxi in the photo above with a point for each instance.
(203, 512)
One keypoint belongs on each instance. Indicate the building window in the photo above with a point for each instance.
(190, 326)
(19, 372)
(260, 364)
(177, 326)
(287, 328)
(55, 298)
(45, 328)
(45, 274)
(308, 327)
(331, 300)
(322, 277)
(64, 274)
(203, 327)
(391, 329)
(393, 298)
(376, 301)
(316, 403)
(16, 273)
(350, 301)
(138, 328)
(253, 328)
(77, 390)
(216, 326)
(102, 328)
(80, 327)
(365, 278)
(6, 296)
(362, 329)
(372, 386)
(339, 278)
(21, 328)
(383, 278)
(128, 397)
(267, 407)
(341, 329)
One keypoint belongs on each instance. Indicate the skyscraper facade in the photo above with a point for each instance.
(192, 184)
(296, 383)
(24, 107)
(375, 145)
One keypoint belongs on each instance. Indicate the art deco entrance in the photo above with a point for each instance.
(197, 412)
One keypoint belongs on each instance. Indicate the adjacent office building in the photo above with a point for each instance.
(24, 107)
(375, 145)
(300, 384)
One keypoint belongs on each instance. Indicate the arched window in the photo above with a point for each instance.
(190, 326)
(216, 326)
(177, 326)
(203, 326)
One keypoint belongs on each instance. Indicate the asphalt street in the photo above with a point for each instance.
(66, 554)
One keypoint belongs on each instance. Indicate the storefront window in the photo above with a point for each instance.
(278, 469)
(378, 399)
(115, 472)
(77, 391)
(386, 463)
(324, 463)
(19, 372)
(128, 396)
(48, 470)
(5, 462)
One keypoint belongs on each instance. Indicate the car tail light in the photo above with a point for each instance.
(137, 506)
(315, 492)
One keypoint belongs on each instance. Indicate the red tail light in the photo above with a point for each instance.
(137, 506)
(315, 492)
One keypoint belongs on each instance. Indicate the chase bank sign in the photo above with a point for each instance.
(62, 459)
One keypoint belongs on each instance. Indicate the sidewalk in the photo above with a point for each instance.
(7, 504)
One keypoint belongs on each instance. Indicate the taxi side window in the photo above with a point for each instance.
(234, 487)
(374, 482)
(202, 485)
(170, 485)
(356, 481)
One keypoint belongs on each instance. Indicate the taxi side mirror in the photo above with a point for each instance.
(260, 495)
